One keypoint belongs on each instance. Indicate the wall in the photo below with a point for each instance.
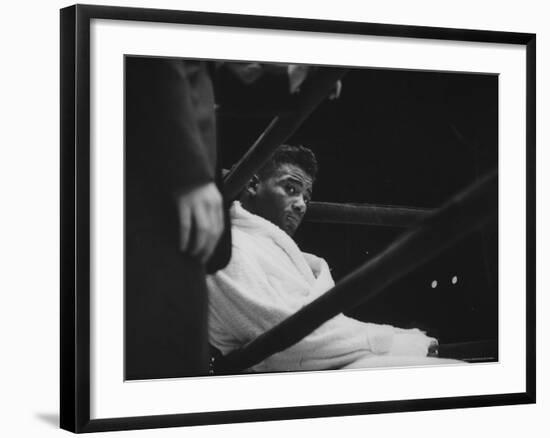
(29, 221)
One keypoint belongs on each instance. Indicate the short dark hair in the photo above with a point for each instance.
(286, 154)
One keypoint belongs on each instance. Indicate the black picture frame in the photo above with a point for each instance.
(75, 217)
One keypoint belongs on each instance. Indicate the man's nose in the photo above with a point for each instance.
(300, 205)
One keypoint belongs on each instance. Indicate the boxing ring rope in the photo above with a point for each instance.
(313, 92)
(365, 214)
(466, 212)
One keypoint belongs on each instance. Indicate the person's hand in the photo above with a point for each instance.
(433, 349)
(201, 220)
(412, 342)
(297, 74)
(247, 72)
(335, 94)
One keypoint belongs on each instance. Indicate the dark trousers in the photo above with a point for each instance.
(165, 309)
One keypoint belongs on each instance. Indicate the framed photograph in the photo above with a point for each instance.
(269, 218)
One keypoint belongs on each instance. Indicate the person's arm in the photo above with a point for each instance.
(342, 340)
(244, 305)
(170, 108)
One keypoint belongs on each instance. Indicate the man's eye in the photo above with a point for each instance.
(291, 190)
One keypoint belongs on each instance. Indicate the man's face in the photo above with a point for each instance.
(282, 197)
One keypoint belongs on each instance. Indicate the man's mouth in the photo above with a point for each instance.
(294, 219)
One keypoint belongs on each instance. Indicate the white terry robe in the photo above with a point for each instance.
(269, 279)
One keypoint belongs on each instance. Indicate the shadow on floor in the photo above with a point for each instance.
(49, 418)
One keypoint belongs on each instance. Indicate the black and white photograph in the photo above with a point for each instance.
(293, 217)
(279, 218)
(266, 219)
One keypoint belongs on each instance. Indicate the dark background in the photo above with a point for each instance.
(394, 137)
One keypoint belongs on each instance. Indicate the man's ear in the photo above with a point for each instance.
(252, 187)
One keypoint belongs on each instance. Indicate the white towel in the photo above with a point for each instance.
(267, 280)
